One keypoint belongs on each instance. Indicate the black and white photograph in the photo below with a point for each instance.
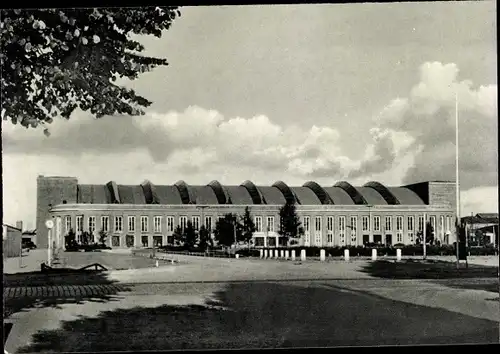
(252, 176)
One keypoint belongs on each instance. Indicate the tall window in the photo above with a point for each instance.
(105, 223)
(307, 223)
(144, 223)
(411, 221)
(157, 224)
(131, 223)
(270, 223)
(196, 222)
(118, 224)
(441, 224)
(388, 223)
(342, 229)
(91, 224)
(183, 222)
(376, 223)
(208, 222)
(68, 223)
(365, 223)
(399, 237)
(420, 223)
(258, 223)
(432, 220)
(79, 223)
(399, 223)
(410, 236)
(354, 229)
(170, 224)
(448, 223)
(329, 229)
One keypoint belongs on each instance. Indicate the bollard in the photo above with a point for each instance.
(276, 254)
(374, 254)
(237, 256)
(346, 255)
(322, 255)
(303, 255)
(265, 254)
(282, 254)
(398, 254)
(157, 264)
(261, 253)
(293, 255)
(287, 254)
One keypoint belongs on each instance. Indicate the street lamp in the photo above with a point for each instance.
(49, 224)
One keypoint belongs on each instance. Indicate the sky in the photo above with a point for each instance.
(322, 92)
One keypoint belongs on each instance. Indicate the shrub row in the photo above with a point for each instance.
(408, 250)
(87, 248)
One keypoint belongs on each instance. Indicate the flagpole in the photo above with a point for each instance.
(457, 179)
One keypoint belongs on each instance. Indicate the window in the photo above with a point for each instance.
(105, 223)
(411, 221)
(342, 223)
(432, 220)
(410, 237)
(131, 223)
(376, 223)
(307, 223)
(196, 222)
(115, 241)
(365, 223)
(399, 237)
(144, 223)
(91, 224)
(170, 224)
(329, 229)
(183, 222)
(354, 229)
(420, 223)
(441, 224)
(118, 226)
(145, 241)
(270, 223)
(258, 223)
(448, 224)
(79, 223)
(317, 223)
(208, 222)
(157, 224)
(388, 223)
(399, 223)
(68, 223)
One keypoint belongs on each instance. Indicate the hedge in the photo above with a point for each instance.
(87, 248)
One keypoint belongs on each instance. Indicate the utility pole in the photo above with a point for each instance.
(457, 180)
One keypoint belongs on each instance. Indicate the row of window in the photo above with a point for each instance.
(270, 223)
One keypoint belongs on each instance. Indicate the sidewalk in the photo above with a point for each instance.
(30, 262)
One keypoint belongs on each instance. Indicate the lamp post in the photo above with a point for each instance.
(49, 224)
(457, 180)
(370, 229)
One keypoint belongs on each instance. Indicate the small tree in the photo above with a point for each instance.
(290, 225)
(204, 238)
(190, 236)
(102, 237)
(429, 234)
(178, 236)
(225, 229)
(248, 227)
(86, 238)
(70, 240)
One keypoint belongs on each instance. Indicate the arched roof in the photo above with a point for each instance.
(339, 196)
(371, 196)
(353, 192)
(305, 196)
(383, 191)
(319, 191)
(406, 196)
(254, 192)
(204, 195)
(168, 195)
(239, 195)
(220, 192)
(149, 192)
(113, 190)
(272, 196)
(185, 192)
(93, 194)
(131, 194)
(286, 191)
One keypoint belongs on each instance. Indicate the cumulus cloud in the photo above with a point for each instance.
(427, 118)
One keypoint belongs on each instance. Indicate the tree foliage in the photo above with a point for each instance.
(290, 224)
(56, 60)
(178, 235)
(204, 238)
(190, 235)
(248, 226)
(429, 234)
(225, 229)
(102, 237)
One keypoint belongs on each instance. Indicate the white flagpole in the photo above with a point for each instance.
(457, 178)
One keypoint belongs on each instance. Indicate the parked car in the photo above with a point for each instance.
(28, 245)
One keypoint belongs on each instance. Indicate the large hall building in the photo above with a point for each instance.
(336, 215)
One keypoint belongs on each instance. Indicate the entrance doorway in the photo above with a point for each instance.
(388, 240)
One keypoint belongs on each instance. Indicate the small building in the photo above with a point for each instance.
(482, 229)
(11, 240)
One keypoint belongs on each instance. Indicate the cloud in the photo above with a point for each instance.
(427, 117)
